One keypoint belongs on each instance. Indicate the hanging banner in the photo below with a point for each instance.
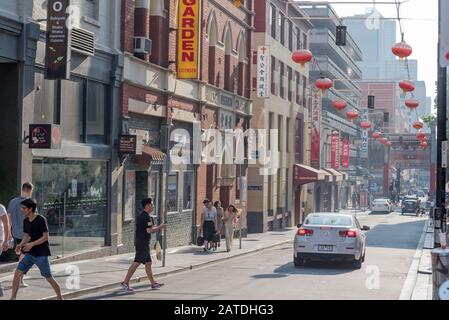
(57, 47)
(335, 150)
(365, 136)
(263, 72)
(188, 32)
(345, 153)
(316, 129)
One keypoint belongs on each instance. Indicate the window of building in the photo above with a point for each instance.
(270, 126)
(287, 135)
(287, 189)
(304, 41)
(90, 9)
(83, 111)
(298, 87)
(273, 80)
(188, 191)
(282, 28)
(298, 39)
(273, 21)
(289, 84)
(298, 140)
(290, 35)
(95, 127)
(281, 79)
(172, 192)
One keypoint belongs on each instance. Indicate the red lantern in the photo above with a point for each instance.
(383, 140)
(420, 136)
(406, 86)
(402, 50)
(324, 84)
(412, 104)
(339, 104)
(418, 125)
(352, 115)
(424, 145)
(365, 125)
(302, 57)
(388, 144)
(376, 135)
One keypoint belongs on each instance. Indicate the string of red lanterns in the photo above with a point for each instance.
(402, 50)
(324, 84)
(302, 57)
(339, 105)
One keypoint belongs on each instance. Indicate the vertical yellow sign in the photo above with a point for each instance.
(188, 34)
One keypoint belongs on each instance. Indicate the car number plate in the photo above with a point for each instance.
(325, 248)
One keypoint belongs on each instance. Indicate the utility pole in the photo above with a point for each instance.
(440, 215)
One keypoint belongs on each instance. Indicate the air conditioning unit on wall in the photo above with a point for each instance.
(142, 45)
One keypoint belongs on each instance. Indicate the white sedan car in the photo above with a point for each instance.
(382, 206)
(330, 237)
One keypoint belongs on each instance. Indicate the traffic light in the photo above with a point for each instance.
(341, 36)
(371, 101)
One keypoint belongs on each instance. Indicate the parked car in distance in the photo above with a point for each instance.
(382, 206)
(330, 237)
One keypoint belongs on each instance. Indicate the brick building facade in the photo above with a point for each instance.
(152, 96)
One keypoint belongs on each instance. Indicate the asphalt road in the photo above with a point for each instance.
(391, 244)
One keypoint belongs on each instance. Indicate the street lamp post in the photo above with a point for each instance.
(167, 132)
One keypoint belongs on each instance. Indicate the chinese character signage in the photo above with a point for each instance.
(365, 136)
(188, 31)
(335, 150)
(345, 153)
(57, 48)
(263, 72)
(316, 129)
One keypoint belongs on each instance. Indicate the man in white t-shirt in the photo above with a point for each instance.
(4, 235)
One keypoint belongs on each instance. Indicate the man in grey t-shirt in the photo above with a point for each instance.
(16, 216)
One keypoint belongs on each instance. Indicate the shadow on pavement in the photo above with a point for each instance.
(311, 268)
(400, 236)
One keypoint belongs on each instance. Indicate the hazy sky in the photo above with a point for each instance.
(421, 31)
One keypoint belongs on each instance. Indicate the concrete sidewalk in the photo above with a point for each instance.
(86, 277)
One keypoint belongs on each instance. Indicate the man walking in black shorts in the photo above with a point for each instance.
(144, 228)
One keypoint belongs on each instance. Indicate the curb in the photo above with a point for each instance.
(109, 286)
(412, 275)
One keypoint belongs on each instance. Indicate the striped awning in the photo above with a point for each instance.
(149, 155)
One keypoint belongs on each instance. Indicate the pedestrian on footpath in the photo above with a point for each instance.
(35, 247)
(16, 218)
(209, 223)
(144, 228)
(4, 236)
(219, 209)
(230, 219)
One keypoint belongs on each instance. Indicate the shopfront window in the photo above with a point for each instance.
(72, 195)
(188, 191)
(173, 192)
(72, 102)
(96, 102)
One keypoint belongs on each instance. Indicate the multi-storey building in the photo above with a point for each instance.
(280, 28)
(74, 184)
(338, 63)
(154, 98)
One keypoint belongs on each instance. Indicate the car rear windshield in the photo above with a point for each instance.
(328, 221)
(380, 201)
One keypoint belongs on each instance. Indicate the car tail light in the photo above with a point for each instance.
(305, 232)
(351, 233)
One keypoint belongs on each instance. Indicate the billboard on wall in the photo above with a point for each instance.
(188, 33)
(316, 129)
(57, 47)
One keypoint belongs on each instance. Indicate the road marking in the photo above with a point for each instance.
(412, 275)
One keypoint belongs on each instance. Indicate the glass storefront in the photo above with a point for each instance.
(72, 195)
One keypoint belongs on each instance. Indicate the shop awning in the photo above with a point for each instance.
(337, 176)
(149, 155)
(305, 174)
